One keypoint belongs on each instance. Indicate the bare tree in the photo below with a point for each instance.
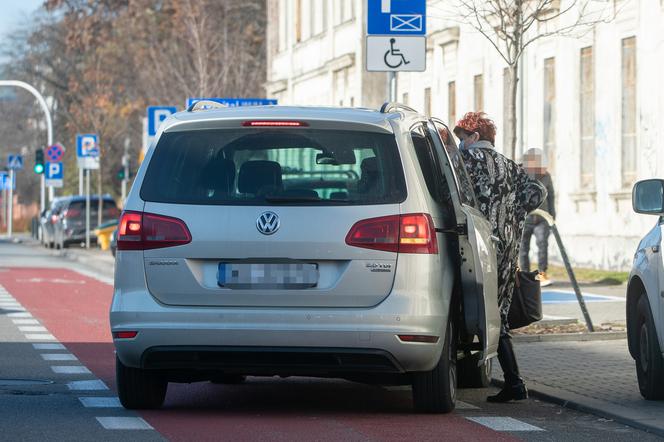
(510, 26)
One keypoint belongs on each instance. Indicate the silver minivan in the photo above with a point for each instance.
(304, 241)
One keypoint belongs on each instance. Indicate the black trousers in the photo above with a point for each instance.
(538, 226)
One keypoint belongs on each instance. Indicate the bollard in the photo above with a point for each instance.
(570, 272)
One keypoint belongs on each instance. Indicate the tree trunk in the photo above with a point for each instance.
(513, 73)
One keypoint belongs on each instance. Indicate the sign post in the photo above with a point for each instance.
(14, 162)
(396, 39)
(87, 155)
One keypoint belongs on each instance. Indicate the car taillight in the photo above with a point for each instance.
(125, 334)
(412, 233)
(145, 231)
(54, 219)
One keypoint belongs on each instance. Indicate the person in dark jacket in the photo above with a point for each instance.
(534, 164)
(505, 194)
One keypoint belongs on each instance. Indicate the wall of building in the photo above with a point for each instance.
(594, 209)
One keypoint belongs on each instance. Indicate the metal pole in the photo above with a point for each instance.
(87, 208)
(80, 181)
(392, 86)
(49, 121)
(42, 194)
(51, 192)
(10, 214)
(570, 272)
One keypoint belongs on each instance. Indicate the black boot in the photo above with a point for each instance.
(514, 388)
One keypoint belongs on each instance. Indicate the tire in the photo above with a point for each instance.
(435, 391)
(472, 375)
(649, 361)
(138, 388)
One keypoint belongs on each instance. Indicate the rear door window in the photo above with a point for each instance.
(466, 192)
(293, 166)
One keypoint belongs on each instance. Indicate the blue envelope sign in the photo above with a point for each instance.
(396, 17)
(406, 22)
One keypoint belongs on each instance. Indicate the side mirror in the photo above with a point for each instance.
(648, 197)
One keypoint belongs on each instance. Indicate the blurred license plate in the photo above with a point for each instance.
(267, 276)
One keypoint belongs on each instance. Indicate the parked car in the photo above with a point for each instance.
(303, 241)
(47, 220)
(645, 294)
(70, 225)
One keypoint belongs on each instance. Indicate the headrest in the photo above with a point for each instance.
(255, 175)
(219, 175)
(369, 165)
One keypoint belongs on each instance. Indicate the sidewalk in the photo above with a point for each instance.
(597, 377)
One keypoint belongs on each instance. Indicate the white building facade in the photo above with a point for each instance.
(594, 101)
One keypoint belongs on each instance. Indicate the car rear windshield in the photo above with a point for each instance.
(273, 167)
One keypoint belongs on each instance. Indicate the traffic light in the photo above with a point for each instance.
(39, 161)
(121, 173)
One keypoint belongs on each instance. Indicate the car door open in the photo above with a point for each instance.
(477, 251)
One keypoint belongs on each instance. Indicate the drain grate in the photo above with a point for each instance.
(23, 382)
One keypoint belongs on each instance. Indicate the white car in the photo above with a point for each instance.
(645, 294)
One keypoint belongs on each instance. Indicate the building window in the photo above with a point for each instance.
(345, 10)
(298, 21)
(317, 15)
(478, 87)
(283, 25)
(451, 103)
(549, 100)
(404, 98)
(427, 101)
(587, 118)
(628, 111)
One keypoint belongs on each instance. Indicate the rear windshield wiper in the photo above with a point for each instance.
(301, 199)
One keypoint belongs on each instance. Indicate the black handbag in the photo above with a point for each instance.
(526, 306)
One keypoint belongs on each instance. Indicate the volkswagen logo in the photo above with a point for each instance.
(268, 223)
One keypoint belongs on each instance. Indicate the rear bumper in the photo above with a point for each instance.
(329, 340)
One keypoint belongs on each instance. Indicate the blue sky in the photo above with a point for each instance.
(14, 13)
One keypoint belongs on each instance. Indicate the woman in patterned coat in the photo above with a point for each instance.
(505, 195)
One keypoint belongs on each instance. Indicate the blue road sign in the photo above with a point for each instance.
(15, 162)
(235, 102)
(54, 174)
(157, 114)
(396, 17)
(87, 145)
(4, 181)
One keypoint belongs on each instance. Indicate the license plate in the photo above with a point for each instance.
(267, 276)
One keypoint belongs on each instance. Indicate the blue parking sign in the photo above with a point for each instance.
(87, 145)
(157, 114)
(54, 174)
(396, 17)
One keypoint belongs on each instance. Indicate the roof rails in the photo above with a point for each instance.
(203, 105)
(391, 106)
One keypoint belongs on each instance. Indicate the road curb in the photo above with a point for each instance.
(568, 337)
(573, 401)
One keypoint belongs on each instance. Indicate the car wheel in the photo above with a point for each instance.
(138, 388)
(435, 391)
(473, 375)
(649, 361)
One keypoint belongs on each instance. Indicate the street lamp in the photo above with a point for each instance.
(49, 130)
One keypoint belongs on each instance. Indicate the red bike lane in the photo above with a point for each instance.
(74, 308)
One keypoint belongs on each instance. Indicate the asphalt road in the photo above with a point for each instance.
(57, 383)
